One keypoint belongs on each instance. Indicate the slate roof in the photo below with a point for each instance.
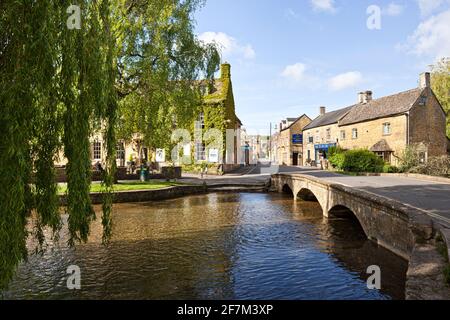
(328, 118)
(383, 107)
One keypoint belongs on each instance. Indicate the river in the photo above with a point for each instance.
(215, 246)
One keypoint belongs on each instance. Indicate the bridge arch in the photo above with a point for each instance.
(306, 195)
(343, 211)
(288, 189)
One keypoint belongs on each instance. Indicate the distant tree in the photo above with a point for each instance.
(160, 60)
(440, 82)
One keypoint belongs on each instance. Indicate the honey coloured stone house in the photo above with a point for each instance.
(217, 112)
(289, 146)
(386, 126)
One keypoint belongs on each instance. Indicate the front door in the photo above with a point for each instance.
(295, 159)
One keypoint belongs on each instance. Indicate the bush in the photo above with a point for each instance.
(358, 160)
(435, 166)
(337, 160)
(387, 168)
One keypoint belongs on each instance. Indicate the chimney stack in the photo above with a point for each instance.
(365, 97)
(323, 110)
(425, 80)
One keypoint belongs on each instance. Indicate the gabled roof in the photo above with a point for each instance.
(383, 107)
(328, 118)
(295, 120)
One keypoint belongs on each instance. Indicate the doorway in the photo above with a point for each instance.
(295, 159)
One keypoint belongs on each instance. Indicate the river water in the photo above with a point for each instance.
(215, 246)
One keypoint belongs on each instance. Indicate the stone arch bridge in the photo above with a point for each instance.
(392, 225)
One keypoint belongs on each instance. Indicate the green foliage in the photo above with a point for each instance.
(337, 160)
(387, 168)
(435, 166)
(440, 82)
(358, 160)
(57, 86)
(160, 58)
(409, 158)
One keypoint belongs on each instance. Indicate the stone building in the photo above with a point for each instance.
(385, 126)
(321, 134)
(218, 112)
(289, 141)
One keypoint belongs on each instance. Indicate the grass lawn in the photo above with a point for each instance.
(127, 186)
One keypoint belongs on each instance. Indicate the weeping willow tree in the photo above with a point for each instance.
(57, 86)
(160, 62)
(129, 67)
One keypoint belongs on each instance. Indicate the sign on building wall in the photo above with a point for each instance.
(160, 155)
(213, 155)
(297, 138)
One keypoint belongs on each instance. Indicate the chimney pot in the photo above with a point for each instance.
(364, 97)
(323, 110)
(425, 80)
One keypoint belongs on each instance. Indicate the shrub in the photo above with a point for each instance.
(409, 158)
(358, 160)
(387, 168)
(337, 160)
(435, 166)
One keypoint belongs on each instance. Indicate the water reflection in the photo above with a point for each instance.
(216, 246)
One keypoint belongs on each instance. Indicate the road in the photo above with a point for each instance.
(430, 196)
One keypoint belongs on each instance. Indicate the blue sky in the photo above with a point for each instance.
(289, 57)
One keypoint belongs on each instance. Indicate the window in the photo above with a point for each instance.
(342, 134)
(201, 119)
(97, 150)
(310, 138)
(354, 133)
(328, 134)
(120, 151)
(200, 154)
(317, 136)
(386, 128)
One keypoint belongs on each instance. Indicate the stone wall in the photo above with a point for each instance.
(371, 132)
(428, 126)
(403, 229)
(145, 195)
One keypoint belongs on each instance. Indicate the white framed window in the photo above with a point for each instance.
(120, 151)
(200, 154)
(328, 134)
(387, 128)
(355, 133)
(342, 135)
(97, 150)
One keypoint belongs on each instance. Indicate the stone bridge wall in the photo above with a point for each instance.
(392, 225)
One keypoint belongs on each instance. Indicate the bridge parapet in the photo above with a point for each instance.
(392, 225)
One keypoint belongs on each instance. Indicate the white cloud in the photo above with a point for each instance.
(345, 80)
(294, 72)
(393, 9)
(431, 38)
(323, 5)
(427, 7)
(228, 45)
